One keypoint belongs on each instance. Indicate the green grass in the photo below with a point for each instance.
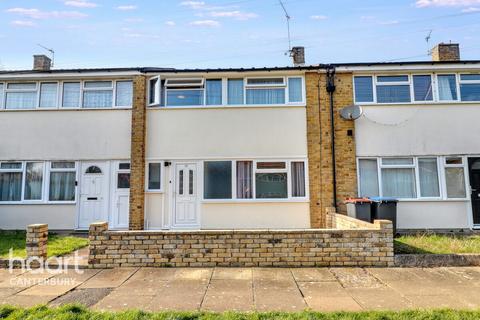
(75, 312)
(57, 245)
(437, 244)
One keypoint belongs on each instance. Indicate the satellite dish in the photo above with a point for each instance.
(352, 112)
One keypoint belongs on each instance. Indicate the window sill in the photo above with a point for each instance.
(434, 200)
(66, 109)
(253, 201)
(36, 202)
(418, 103)
(303, 105)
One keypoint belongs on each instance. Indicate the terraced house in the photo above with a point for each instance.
(155, 148)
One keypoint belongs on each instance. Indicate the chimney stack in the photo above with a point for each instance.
(41, 62)
(446, 52)
(298, 55)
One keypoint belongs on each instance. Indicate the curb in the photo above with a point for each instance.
(437, 260)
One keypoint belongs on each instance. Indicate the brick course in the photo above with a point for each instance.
(319, 145)
(362, 244)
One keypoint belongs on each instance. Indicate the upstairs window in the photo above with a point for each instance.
(71, 95)
(184, 92)
(124, 93)
(265, 90)
(48, 94)
(1, 95)
(447, 87)
(235, 91)
(393, 89)
(363, 89)
(422, 88)
(21, 95)
(470, 87)
(97, 94)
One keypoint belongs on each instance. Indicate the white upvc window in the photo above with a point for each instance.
(21, 95)
(2, 95)
(255, 180)
(62, 181)
(412, 178)
(154, 177)
(393, 89)
(226, 91)
(123, 175)
(48, 97)
(469, 87)
(97, 94)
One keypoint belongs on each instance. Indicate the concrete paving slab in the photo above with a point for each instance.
(30, 278)
(391, 274)
(439, 277)
(141, 286)
(356, 278)
(27, 301)
(6, 292)
(201, 274)
(468, 295)
(312, 274)
(232, 274)
(155, 273)
(469, 273)
(181, 295)
(274, 274)
(109, 278)
(229, 295)
(122, 302)
(278, 295)
(59, 284)
(418, 288)
(87, 297)
(327, 296)
(437, 302)
(379, 299)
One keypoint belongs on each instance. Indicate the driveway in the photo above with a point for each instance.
(246, 289)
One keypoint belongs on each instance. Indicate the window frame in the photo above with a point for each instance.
(441, 165)
(47, 169)
(437, 88)
(409, 82)
(163, 91)
(460, 82)
(412, 89)
(235, 199)
(60, 91)
(466, 180)
(119, 170)
(147, 176)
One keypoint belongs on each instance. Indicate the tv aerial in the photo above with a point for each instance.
(52, 52)
(288, 17)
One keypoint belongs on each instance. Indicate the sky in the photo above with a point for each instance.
(229, 33)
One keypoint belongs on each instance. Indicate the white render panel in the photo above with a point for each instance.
(57, 216)
(433, 215)
(65, 135)
(288, 215)
(222, 132)
(418, 130)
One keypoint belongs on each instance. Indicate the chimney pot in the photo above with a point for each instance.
(41, 62)
(446, 52)
(298, 56)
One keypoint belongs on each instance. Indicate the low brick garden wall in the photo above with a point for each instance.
(361, 244)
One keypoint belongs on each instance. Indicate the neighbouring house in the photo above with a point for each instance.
(157, 148)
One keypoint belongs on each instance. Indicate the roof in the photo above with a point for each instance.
(249, 69)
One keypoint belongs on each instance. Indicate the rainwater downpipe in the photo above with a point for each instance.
(331, 90)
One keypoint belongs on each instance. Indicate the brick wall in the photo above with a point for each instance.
(137, 162)
(319, 145)
(36, 241)
(446, 52)
(362, 244)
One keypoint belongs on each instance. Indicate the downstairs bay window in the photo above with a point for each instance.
(37, 182)
(412, 178)
(254, 180)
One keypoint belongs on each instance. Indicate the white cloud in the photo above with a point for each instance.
(318, 17)
(170, 23)
(445, 3)
(81, 4)
(205, 23)
(471, 9)
(239, 15)
(38, 14)
(193, 4)
(127, 7)
(23, 23)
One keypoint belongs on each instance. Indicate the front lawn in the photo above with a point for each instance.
(437, 244)
(57, 245)
(73, 312)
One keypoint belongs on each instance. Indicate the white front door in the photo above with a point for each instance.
(186, 211)
(93, 193)
(121, 195)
